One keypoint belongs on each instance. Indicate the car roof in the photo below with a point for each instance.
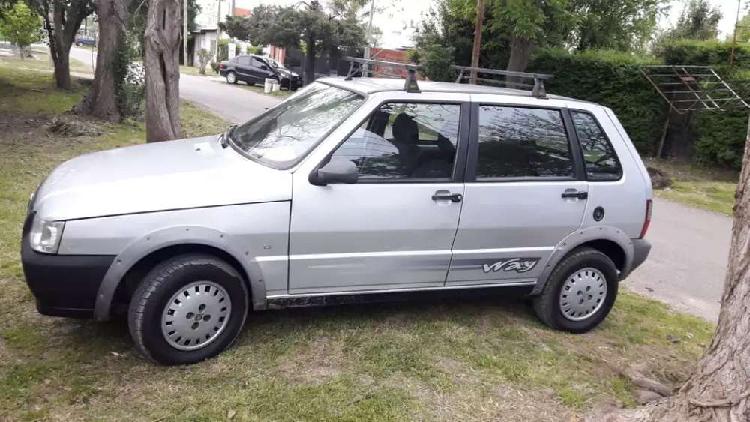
(371, 85)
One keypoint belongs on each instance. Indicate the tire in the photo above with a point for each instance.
(214, 309)
(231, 78)
(586, 274)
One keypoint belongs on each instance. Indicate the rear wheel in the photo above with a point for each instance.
(231, 78)
(187, 309)
(579, 293)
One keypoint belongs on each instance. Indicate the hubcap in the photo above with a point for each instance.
(195, 315)
(582, 294)
(231, 78)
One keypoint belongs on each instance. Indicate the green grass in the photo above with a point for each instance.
(444, 359)
(194, 71)
(697, 186)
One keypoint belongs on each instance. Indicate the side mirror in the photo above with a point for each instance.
(336, 171)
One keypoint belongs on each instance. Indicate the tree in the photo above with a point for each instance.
(62, 18)
(308, 26)
(21, 26)
(698, 21)
(111, 62)
(162, 45)
(719, 389)
(618, 25)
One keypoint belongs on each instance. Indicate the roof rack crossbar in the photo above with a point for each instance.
(410, 83)
(538, 78)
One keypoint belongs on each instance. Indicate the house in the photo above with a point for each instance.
(207, 32)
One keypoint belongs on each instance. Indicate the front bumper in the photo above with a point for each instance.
(64, 285)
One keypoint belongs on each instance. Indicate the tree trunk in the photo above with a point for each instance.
(162, 40)
(719, 390)
(520, 53)
(476, 47)
(310, 59)
(102, 99)
(61, 57)
(61, 30)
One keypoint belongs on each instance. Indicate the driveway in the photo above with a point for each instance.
(232, 102)
(688, 259)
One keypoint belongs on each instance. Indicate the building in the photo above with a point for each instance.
(206, 24)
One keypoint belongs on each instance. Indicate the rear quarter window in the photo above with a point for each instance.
(599, 156)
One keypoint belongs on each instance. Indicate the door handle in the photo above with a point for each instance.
(444, 195)
(574, 194)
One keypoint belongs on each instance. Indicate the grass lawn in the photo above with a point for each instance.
(194, 71)
(259, 89)
(697, 186)
(442, 358)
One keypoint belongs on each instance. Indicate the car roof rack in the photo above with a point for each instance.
(517, 80)
(392, 70)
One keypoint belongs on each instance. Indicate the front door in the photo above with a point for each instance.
(525, 192)
(395, 227)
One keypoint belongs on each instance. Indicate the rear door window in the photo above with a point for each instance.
(521, 142)
(598, 154)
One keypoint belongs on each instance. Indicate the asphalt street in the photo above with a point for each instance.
(687, 263)
(688, 259)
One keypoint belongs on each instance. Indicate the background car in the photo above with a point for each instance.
(84, 40)
(254, 69)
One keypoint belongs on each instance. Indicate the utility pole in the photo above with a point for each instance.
(184, 31)
(734, 35)
(477, 41)
(218, 31)
(365, 67)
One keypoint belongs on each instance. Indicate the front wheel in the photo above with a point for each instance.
(231, 78)
(579, 293)
(187, 309)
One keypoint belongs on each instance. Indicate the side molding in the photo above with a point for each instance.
(170, 237)
(578, 238)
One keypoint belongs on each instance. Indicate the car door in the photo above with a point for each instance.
(394, 228)
(243, 66)
(525, 192)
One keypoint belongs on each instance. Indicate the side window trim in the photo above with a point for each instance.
(459, 165)
(569, 112)
(472, 158)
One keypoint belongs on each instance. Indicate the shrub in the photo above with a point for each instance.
(612, 79)
(204, 56)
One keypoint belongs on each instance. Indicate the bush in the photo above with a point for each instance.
(204, 56)
(612, 79)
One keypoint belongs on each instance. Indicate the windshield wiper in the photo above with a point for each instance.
(226, 137)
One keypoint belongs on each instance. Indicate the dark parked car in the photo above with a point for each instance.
(254, 69)
(84, 40)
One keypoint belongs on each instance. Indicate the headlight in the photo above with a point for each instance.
(45, 235)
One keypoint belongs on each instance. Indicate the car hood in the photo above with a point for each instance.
(181, 174)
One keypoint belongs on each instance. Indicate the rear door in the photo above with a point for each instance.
(243, 66)
(525, 191)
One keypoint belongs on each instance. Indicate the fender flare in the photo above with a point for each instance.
(578, 238)
(173, 236)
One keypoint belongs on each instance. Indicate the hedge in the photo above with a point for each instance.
(612, 79)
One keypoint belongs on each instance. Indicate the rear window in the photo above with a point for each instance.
(521, 142)
(598, 154)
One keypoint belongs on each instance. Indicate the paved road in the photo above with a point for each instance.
(688, 260)
(234, 103)
(687, 264)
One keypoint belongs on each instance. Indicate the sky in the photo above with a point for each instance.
(398, 18)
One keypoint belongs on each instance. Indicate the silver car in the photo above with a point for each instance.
(349, 187)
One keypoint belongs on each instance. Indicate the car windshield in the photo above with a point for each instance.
(284, 134)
